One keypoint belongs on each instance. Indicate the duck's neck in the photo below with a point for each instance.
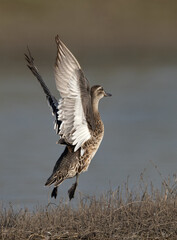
(96, 114)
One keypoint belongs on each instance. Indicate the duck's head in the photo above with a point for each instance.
(97, 92)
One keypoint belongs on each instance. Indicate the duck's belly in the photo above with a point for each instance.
(91, 147)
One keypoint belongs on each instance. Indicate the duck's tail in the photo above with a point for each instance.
(53, 179)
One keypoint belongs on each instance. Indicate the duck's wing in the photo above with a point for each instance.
(53, 103)
(75, 110)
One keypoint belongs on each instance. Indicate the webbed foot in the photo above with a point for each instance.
(72, 190)
(54, 192)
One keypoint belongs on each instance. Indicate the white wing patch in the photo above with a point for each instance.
(74, 128)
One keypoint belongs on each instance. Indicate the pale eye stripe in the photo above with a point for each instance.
(100, 88)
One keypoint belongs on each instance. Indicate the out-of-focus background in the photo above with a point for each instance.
(129, 47)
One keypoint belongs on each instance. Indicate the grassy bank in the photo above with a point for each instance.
(120, 214)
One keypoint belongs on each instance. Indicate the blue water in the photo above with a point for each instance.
(140, 126)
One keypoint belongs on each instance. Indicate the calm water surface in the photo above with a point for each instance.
(140, 126)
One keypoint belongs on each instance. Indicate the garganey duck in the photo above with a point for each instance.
(77, 119)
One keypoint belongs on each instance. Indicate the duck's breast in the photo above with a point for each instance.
(91, 146)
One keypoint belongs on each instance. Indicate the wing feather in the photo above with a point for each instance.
(72, 85)
(52, 102)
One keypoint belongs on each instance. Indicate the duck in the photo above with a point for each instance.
(77, 118)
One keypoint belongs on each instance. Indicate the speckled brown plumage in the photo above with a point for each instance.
(72, 163)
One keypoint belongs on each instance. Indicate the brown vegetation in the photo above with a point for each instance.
(120, 214)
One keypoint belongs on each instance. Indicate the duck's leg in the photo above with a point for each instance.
(54, 192)
(72, 190)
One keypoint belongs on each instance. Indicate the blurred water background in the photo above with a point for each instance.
(129, 47)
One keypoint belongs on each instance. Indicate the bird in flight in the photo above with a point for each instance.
(77, 119)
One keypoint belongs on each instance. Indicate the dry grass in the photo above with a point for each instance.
(120, 214)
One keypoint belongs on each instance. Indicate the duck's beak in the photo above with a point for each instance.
(107, 94)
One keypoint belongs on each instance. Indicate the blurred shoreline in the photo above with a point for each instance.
(114, 27)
